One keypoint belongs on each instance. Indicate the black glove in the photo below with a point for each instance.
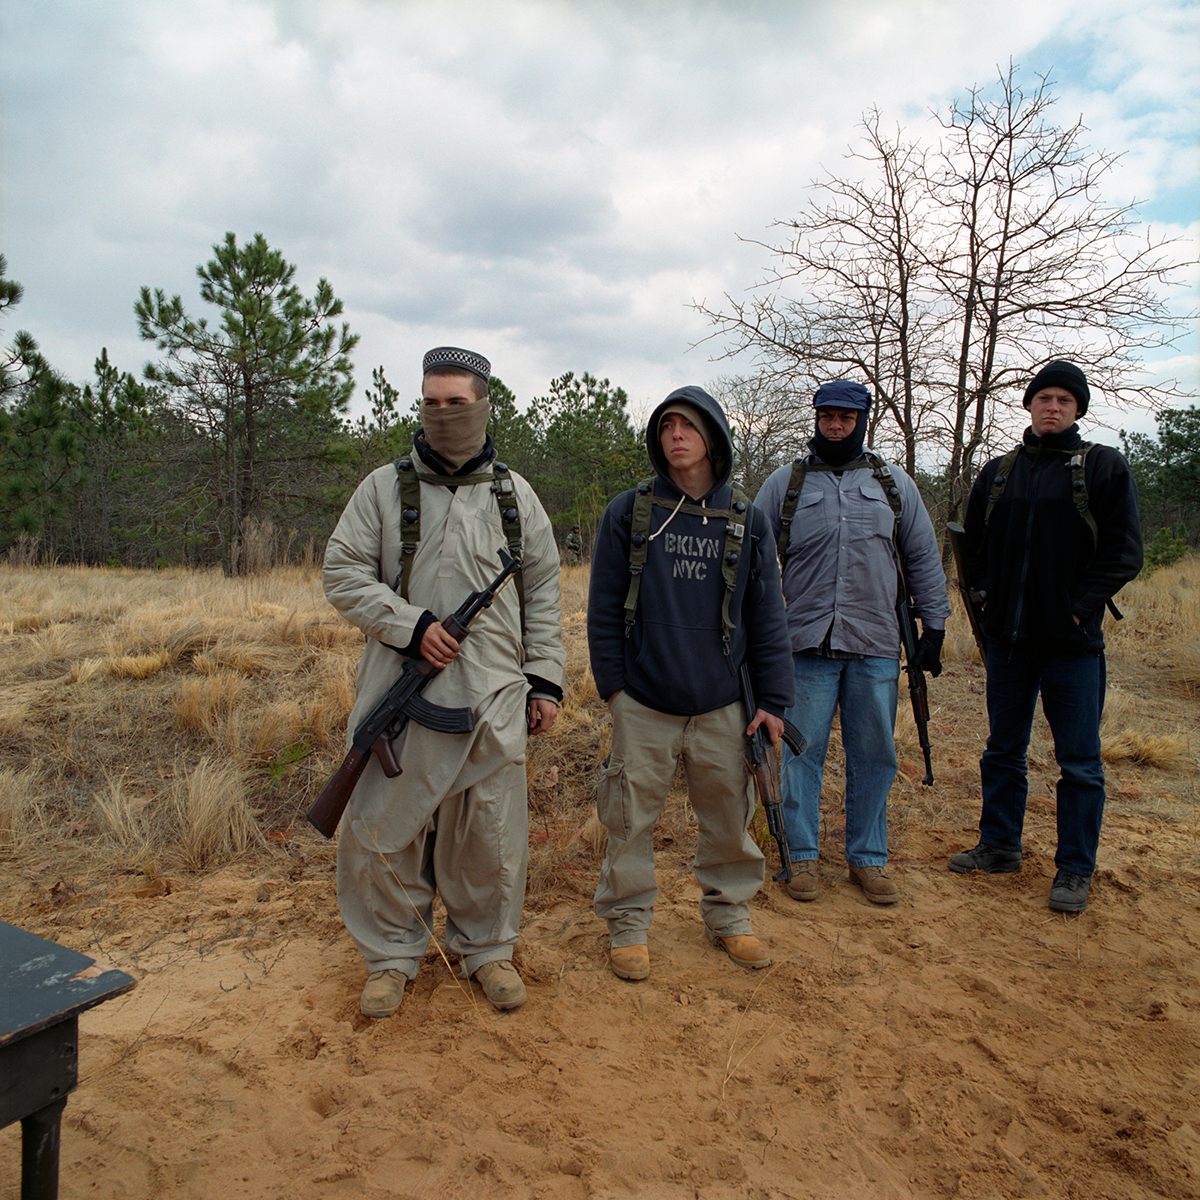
(929, 650)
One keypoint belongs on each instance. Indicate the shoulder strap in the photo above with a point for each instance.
(735, 537)
(1079, 494)
(999, 481)
(1079, 491)
(791, 497)
(887, 481)
(795, 485)
(410, 521)
(505, 492)
(639, 547)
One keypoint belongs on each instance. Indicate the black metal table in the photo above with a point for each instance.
(43, 989)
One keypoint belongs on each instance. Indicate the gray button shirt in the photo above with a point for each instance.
(840, 576)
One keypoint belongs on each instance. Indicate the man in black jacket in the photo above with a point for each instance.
(684, 589)
(1052, 534)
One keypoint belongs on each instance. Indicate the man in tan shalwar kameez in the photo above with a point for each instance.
(455, 821)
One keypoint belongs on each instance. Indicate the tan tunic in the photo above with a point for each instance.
(461, 533)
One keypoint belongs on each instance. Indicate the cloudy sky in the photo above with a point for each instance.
(551, 183)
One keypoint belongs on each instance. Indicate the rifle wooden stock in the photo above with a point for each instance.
(327, 808)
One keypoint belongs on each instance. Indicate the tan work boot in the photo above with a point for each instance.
(501, 984)
(382, 993)
(803, 884)
(745, 950)
(876, 884)
(629, 962)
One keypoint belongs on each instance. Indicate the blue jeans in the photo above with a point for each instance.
(864, 690)
(1072, 691)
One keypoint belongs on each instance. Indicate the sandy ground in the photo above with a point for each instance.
(967, 1042)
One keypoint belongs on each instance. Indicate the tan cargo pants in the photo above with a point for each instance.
(631, 795)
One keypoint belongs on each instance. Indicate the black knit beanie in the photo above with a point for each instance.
(1064, 375)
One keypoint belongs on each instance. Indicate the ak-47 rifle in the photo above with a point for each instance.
(763, 763)
(918, 693)
(401, 703)
(972, 600)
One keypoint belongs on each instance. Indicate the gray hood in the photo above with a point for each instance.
(716, 426)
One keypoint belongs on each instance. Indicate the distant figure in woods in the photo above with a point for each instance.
(1051, 535)
(684, 589)
(574, 546)
(414, 541)
(847, 521)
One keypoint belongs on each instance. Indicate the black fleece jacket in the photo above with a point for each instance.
(674, 659)
(1036, 559)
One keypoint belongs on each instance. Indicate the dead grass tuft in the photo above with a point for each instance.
(251, 658)
(202, 705)
(120, 812)
(1181, 667)
(139, 666)
(214, 823)
(278, 725)
(1165, 751)
(23, 817)
(330, 699)
(87, 669)
(52, 641)
(27, 622)
(185, 640)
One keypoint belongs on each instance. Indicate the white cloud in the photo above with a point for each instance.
(554, 183)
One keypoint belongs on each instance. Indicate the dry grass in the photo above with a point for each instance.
(23, 819)
(1167, 752)
(179, 720)
(212, 816)
(206, 704)
(121, 816)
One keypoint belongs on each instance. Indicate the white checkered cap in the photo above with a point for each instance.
(463, 360)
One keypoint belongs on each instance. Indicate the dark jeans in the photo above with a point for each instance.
(1072, 691)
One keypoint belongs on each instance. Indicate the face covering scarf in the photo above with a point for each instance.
(838, 454)
(457, 432)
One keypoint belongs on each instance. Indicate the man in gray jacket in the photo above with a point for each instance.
(415, 540)
(845, 520)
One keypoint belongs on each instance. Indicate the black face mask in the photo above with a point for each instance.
(838, 454)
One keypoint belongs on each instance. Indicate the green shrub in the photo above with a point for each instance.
(1166, 547)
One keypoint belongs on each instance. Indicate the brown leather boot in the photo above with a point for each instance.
(745, 950)
(804, 883)
(501, 984)
(629, 962)
(876, 884)
(382, 993)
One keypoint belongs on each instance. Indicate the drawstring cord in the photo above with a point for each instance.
(670, 519)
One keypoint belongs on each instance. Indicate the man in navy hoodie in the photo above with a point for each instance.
(684, 590)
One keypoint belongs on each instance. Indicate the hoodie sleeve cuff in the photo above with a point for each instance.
(543, 689)
(413, 649)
